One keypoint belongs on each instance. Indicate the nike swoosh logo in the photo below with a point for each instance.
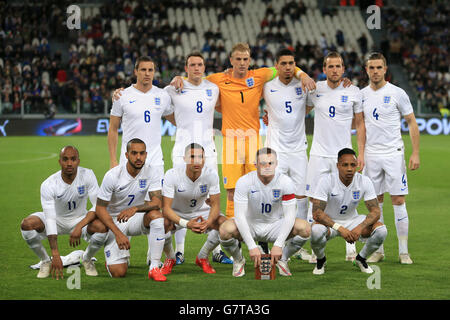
(403, 189)
(273, 90)
(401, 218)
(333, 195)
(159, 239)
(59, 196)
(253, 191)
(133, 101)
(181, 190)
(120, 189)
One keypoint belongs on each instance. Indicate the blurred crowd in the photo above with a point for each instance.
(418, 38)
(34, 73)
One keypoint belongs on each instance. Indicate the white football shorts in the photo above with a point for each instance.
(133, 227)
(294, 165)
(388, 173)
(318, 166)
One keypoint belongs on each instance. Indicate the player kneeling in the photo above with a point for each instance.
(264, 210)
(185, 190)
(334, 211)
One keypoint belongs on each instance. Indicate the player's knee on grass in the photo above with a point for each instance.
(118, 270)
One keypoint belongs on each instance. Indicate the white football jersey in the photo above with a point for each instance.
(189, 196)
(286, 111)
(342, 201)
(383, 110)
(123, 191)
(66, 202)
(333, 114)
(264, 201)
(141, 118)
(193, 108)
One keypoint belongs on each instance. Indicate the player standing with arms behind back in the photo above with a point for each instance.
(384, 104)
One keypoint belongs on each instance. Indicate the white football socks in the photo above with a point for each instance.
(211, 242)
(96, 241)
(231, 246)
(402, 226)
(292, 246)
(34, 241)
(180, 236)
(319, 240)
(375, 240)
(302, 209)
(156, 239)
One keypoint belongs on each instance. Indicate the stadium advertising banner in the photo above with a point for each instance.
(67, 127)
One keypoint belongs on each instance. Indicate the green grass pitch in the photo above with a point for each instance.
(26, 161)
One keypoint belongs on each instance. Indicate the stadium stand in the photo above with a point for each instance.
(47, 69)
(418, 38)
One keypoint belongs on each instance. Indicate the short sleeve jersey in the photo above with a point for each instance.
(141, 118)
(123, 191)
(239, 99)
(286, 111)
(189, 196)
(342, 201)
(193, 108)
(383, 110)
(333, 114)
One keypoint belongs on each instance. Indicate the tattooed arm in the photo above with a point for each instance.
(319, 214)
(321, 217)
(154, 204)
(103, 215)
(372, 217)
